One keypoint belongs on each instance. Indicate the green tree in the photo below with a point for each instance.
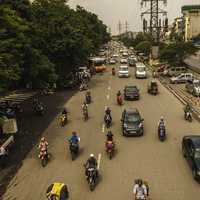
(144, 47)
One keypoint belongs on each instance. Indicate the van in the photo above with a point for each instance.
(140, 71)
(174, 71)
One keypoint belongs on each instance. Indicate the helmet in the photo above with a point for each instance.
(140, 182)
(162, 118)
(91, 155)
(74, 133)
(42, 139)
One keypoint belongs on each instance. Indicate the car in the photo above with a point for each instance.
(132, 123)
(123, 61)
(140, 71)
(182, 78)
(191, 151)
(131, 93)
(193, 87)
(174, 71)
(112, 61)
(131, 61)
(123, 71)
(125, 54)
(115, 56)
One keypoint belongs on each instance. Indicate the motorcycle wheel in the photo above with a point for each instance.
(190, 119)
(92, 185)
(110, 154)
(73, 155)
(44, 162)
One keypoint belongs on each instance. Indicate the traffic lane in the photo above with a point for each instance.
(60, 168)
(146, 157)
(117, 174)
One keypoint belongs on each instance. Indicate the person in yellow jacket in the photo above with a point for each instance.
(57, 191)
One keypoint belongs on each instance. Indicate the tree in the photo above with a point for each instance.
(144, 47)
(175, 53)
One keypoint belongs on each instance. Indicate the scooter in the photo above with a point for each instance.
(110, 147)
(119, 100)
(63, 120)
(188, 116)
(74, 149)
(161, 133)
(44, 157)
(107, 120)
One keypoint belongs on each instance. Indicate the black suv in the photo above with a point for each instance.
(131, 93)
(132, 123)
(191, 151)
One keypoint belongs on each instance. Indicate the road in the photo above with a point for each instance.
(161, 164)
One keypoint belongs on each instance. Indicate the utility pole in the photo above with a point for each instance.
(155, 26)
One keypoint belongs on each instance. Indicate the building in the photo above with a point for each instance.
(191, 20)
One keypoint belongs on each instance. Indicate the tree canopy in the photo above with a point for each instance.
(42, 42)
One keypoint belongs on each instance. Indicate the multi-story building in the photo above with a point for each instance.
(191, 20)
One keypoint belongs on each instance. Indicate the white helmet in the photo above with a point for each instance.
(91, 155)
(162, 118)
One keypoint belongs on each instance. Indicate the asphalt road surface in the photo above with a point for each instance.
(161, 164)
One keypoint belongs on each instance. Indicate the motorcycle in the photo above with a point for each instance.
(74, 149)
(119, 100)
(110, 148)
(44, 157)
(39, 109)
(92, 176)
(107, 120)
(188, 116)
(85, 114)
(113, 71)
(63, 120)
(88, 98)
(161, 133)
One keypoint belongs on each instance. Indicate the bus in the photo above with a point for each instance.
(97, 64)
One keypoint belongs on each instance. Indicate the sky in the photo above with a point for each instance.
(113, 11)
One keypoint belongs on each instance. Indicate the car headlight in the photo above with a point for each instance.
(125, 126)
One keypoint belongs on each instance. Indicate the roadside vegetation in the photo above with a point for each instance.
(42, 42)
(172, 53)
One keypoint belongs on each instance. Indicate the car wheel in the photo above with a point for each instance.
(183, 151)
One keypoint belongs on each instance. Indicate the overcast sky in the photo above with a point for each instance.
(113, 11)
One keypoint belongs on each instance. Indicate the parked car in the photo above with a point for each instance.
(140, 71)
(131, 93)
(132, 123)
(193, 87)
(182, 78)
(191, 151)
(174, 71)
(123, 61)
(123, 71)
(132, 61)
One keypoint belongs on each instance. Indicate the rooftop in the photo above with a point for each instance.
(190, 7)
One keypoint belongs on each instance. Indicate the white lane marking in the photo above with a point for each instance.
(99, 161)
(109, 88)
(103, 128)
(108, 96)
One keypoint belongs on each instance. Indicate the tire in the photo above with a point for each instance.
(92, 186)
(110, 154)
(73, 156)
(44, 162)
(183, 151)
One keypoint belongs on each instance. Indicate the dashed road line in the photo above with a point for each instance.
(103, 128)
(99, 161)
(108, 96)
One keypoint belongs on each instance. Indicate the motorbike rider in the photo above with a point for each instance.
(109, 136)
(113, 71)
(187, 108)
(91, 163)
(88, 97)
(119, 93)
(139, 190)
(85, 107)
(108, 111)
(43, 146)
(161, 123)
(74, 138)
(64, 112)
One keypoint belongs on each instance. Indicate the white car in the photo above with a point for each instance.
(112, 61)
(115, 56)
(123, 61)
(182, 78)
(123, 71)
(140, 71)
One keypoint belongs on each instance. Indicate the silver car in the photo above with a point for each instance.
(193, 87)
(182, 78)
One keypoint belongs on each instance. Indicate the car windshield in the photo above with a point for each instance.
(130, 89)
(123, 68)
(132, 118)
(141, 69)
(197, 154)
(197, 84)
